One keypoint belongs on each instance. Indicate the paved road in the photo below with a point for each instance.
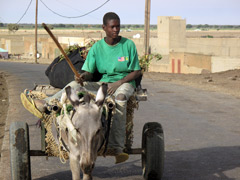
(202, 132)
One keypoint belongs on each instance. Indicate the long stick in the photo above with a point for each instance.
(62, 51)
(36, 17)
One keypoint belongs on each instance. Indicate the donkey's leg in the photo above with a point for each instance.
(87, 176)
(75, 166)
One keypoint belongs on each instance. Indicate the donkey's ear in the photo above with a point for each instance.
(63, 97)
(101, 94)
(72, 96)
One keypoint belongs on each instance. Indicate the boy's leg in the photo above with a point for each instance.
(118, 130)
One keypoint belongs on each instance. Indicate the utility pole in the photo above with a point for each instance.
(36, 31)
(147, 28)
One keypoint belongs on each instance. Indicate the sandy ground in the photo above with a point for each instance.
(227, 82)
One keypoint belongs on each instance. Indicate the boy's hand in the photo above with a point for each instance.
(112, 87)
(78, 79)
(86, 76)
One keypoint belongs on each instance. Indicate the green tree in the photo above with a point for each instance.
(189, 26)
(13, 27)
(60, 25)
(205, 26)
(50, 26)
(69, 26)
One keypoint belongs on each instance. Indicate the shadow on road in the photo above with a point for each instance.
(201, 164)
(127, 169)
(216, 163)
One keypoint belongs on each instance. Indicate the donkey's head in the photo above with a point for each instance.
(87, 121)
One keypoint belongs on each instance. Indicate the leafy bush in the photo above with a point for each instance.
(208, 36)
(13, 27)
(145, 60)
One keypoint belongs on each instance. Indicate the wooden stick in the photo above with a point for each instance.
(62, 51)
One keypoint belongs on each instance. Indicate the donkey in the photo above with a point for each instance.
(84, 133)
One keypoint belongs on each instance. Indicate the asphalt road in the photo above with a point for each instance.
(201, 129)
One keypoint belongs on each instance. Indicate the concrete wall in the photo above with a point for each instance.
(171, 34)
(2, 43)
(153, 43)
(46, 47)
(192, 55)
(160, 65)
(49, 49)
(224, 63)
(139, 42)
(14, 46)
(190, 63)
(198, 61)
(214, 46)
(29, 46)
(181, 62)
(177, 35)
(180, 54)
(163, 35)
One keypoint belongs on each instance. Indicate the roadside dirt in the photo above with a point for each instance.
(3, 107)
(227, 82)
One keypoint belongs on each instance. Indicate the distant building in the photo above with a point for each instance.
(3, 53)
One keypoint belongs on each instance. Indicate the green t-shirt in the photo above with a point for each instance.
(113, 62)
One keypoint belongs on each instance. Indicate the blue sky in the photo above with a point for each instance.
(220, 12)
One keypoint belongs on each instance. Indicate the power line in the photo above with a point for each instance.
(75, 9)
(25, 12)
(67, 4)
(74, 16)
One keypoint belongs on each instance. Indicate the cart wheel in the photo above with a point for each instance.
(19, 151)
(153, 151)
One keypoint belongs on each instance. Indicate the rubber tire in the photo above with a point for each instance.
(19, 151)
(153, 151)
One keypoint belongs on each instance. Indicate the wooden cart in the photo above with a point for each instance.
(152, 150)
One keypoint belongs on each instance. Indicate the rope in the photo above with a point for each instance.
(58, 150)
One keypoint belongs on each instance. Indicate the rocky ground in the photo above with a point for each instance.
(227, 82)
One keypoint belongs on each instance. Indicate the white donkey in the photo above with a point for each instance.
(84, 133)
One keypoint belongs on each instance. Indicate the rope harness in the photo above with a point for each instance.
(52, 120)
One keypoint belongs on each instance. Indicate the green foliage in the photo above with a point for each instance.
(83, 50)
(124, 26)
(68, 51)
(145, 60)
(50, 26)
(13, 27)
(189, 26)
(61, 25)
(216, 27)
(208, 36)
